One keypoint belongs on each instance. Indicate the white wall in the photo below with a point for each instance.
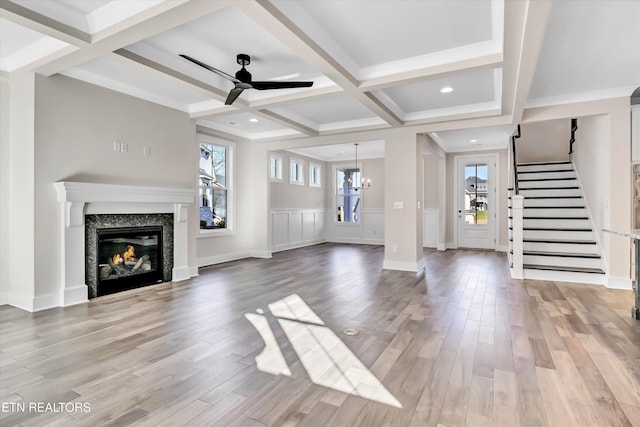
(251, 228)
(75, 126)
(592, 161)
(544, 142)
(298, 212)
(370, 230)
(5, 164)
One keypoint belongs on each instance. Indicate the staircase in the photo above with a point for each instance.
(559, 241)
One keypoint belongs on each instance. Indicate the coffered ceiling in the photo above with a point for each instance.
(375, 64)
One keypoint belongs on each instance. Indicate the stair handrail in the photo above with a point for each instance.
(574, 128)
(514, 136)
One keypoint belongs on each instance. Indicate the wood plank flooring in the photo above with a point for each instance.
(460, 345)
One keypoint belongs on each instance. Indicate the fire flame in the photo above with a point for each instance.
(130, 254)
(117, 259)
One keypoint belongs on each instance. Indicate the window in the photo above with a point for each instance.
(314, 175)
(347, 197)
(475, 196)
(214, 183)
(296, 172)
(275, 168)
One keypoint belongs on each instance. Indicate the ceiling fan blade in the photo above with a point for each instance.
(210, 68)
(235, 92)
(279, 85)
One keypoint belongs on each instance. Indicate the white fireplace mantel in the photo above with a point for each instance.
(80, 198)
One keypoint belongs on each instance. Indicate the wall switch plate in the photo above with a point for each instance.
(398, 205)
(146, 151)
(116, 146)
(124, 147)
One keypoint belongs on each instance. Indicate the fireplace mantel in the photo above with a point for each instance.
(79, 198)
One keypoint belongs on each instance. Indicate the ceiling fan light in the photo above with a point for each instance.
(446, 89)
(253, 120)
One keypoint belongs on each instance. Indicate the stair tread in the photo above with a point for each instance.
(548, 171)
(549, 188)
(560, 254)
(569, 269)
(552, 197)
(554, 217)
(560, 241)
(548, 179)
(545, 163)
(553, 207)
(553, 229)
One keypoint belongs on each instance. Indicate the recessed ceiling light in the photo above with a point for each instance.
(473, 140)
(446, 89)
(253, 120)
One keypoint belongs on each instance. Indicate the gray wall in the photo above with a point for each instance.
(291, 196)
(75, 126)
(544, 141)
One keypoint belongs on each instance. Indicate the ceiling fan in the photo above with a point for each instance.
(243, 81)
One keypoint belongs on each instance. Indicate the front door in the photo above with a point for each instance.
(476, 201)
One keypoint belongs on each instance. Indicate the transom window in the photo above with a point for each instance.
(296, 171)
(275, 168)
(315, 172)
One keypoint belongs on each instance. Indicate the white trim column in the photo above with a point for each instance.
(517, 224)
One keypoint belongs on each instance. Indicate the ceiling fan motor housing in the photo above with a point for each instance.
(243, 75)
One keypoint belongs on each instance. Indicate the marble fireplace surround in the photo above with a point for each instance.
(78, 199)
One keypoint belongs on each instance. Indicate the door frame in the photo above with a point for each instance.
(456, 200)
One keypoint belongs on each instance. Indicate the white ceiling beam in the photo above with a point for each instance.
(488, 61)
(43, 24)
(132, 59)
(131, 31)
(274, 21)
(535, 21)
(270, 115)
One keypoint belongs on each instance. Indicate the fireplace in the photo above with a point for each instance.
(127, 251)
(128, 258)
(87, 207)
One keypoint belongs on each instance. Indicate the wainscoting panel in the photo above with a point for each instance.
(430, 228)
(373, 226)
(294, 228)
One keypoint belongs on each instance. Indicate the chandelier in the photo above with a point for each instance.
(365, 183)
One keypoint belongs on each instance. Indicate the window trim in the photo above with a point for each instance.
(318, 168)
(230, 185)
(300, 163)
(279, 162)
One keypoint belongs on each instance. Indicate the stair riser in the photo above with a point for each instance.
(548, 184)
(546, 175)
(553, 202)
(565, 276)
(560, 247)
(549, 192)
(563, 261)
(552, 166)
(565, 235)
(557, 223)
(554, 213)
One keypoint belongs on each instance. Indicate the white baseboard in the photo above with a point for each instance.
(218, 259)
(430, 244)
(295, 245)
(261, 254)
(502, 248)
(178, 274)
(23, 302)
(451, 245)
(75, 295)
(403, 265)
(441, 247)
(356, 241)
(193, 271)
(44, 302)
(618, 283)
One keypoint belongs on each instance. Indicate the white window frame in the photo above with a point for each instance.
(279, 161)
(299, 163)
(230, 184)
(318, 181)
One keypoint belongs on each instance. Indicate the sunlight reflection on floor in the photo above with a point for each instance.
(327, 360)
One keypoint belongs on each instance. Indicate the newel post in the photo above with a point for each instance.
(517, 224)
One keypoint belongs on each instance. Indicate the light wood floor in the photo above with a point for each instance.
(462, 344)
